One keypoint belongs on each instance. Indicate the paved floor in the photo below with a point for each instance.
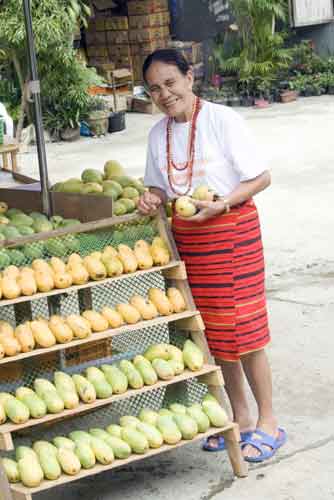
(297, 218)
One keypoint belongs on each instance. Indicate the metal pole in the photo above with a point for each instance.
(34, 91)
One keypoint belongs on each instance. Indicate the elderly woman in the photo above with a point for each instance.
(200, 143)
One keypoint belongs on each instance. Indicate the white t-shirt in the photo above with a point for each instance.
(225, 152)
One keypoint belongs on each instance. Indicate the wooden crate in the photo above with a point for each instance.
(138, 7)
(149, 21)
(88, 352)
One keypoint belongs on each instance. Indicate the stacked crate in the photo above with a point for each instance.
(107, 40)
(148, 30)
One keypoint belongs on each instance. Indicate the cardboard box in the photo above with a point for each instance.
(117, 23)
(138, 7)
(137, 66)
(148, 34)
(100, 24)
(192, 51)
(149, 21)
(119, 51)
(147, 48)
(118, 37)
(139, 105)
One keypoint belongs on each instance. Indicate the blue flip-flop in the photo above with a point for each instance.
(267, 445)
(221, 441)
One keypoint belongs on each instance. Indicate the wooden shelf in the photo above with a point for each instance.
(90, 284)
(6, 429)
(117, 463)
(161, 320)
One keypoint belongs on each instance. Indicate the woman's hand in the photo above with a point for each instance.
(149, 203)
(207, 210)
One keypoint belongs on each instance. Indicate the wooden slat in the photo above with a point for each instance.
(5, 492)
(90, 284)
(118, 463)
(7, 428)
(161, 320)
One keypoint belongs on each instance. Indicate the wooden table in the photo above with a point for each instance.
(6, 151)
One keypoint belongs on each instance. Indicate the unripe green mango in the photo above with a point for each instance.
(116, 378)
(29, 398)
(169, 430)
(146, 370)
(135, 439)
(63, 442)
(68, 461)
(134, 377)
(152, 434)
(16, 411)
(11, 470)
(196, 412)
(114, 430)
(216, 414)
(85, 455)
(192, 356)
(187, 425)
(149, 416)
(30, 471)
(85, 389)
(163, 369)
(102, 451)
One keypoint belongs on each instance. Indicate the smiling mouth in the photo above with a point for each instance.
(171, 103)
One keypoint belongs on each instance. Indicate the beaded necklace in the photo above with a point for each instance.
(190, 151)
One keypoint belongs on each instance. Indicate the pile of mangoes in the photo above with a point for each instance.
(113, 181)
(44, 276)
(158, 362)
(132, 435)
(42, 333)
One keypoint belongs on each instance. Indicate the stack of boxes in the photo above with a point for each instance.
(148, 30)
(107, 40)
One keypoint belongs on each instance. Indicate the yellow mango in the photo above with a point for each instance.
(113, 265)
(27, 283)
(146, 308)
(127, 258)
(60, 329)
(25, 337)
(63, 280)
(80, 326)
(109, 251)
(97, 321)
(128, 313)
(41, 265)
(10, 288)
(10, 345)
(79, 274)
(57, 265)
(42, 334)
(95, 268)
(11, 272)
(114, 318)
(160, 300)
(6, 329)
(74, 259)
(143, 255)
(44, 280)
(176, 300)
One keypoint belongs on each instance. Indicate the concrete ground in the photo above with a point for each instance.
(297, 218)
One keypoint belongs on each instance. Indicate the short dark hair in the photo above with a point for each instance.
(167, 56)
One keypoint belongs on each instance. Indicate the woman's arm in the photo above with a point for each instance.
(241, 193)
(151, 200)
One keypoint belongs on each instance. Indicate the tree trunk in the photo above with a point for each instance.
(24, 95)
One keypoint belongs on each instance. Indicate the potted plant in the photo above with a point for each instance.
(291, 93)
(97, 116)
(330, 83)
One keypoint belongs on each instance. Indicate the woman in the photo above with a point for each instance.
(201, 143)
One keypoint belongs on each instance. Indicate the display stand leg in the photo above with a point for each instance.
(232, 438)
(17, 495)
(5, 492)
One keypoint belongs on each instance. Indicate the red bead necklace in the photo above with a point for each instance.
(190, 151)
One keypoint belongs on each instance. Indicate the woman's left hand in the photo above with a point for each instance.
(207, 210)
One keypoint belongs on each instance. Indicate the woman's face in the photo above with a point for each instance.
(170, 89)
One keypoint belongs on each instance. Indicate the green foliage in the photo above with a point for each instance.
(259, 51)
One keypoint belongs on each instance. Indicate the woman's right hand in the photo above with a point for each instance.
(149, 203)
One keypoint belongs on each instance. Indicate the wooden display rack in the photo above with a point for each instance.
(189, 322)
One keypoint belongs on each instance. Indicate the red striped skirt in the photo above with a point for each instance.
(225, 266)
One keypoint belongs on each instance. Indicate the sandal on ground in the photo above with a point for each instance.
(267, 445)
(220, 446)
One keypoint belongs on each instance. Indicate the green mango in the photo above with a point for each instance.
(163, 369)
(130, 205)
(196, 412)
(49, 464)
(113, 168)
(13, 211)
(16, 411)
(68, 461)
(114, 185)
(56, 221)
(17, 258)
(152, 434)
(120, 448)
(11, 470)
(157, 351)
(119, 208)
(135, 439)
(85, 454)
(187, 425)
(169, 430)
(63, 442)
(30, 472)
(70, 222)
(116, 378)
(129, 421)
(146, 370)
(91, 175)
(25, 451)
(102, 451)
(44, 446)
(149, 416)
(84, 388)
(192, 356)
(38, 215)
(34, 250)
(135, 379)
(72, 243)
(111, 192)
(56, 247)
(42, 225)
(4, 259)
(114, 430)
(25, 230)
(22, 220)
(96, 377)
(11, 232)
(130, 192)
(177, 408)
(34, 403)
(216, 414)
(80, 437)
(91, 188)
